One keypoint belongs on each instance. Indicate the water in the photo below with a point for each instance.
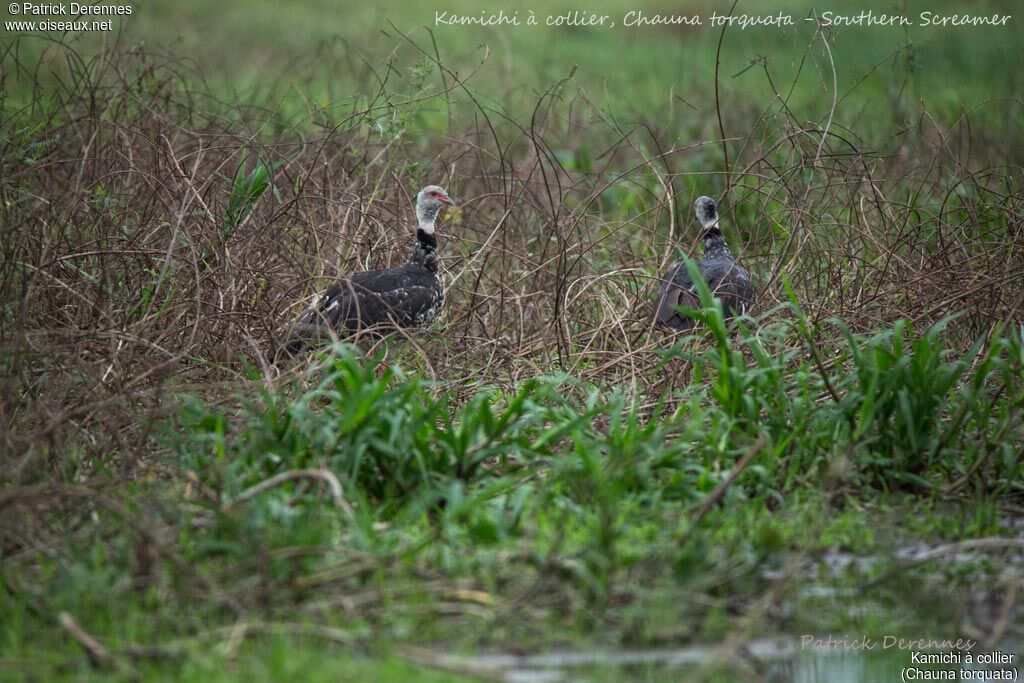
(915, 602)
(769, 660)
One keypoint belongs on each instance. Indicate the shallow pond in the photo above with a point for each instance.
(772, 661)
(908, 596)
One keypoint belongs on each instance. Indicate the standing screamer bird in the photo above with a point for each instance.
(727, 279)
(385, 300)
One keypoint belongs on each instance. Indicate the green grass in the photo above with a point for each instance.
(315, 57)
(558, 509)
(270, 658)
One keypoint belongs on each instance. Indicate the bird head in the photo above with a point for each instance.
(707, 212)
(429, 202)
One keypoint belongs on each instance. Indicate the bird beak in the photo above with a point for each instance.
(448, 200)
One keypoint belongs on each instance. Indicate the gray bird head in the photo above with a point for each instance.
(429, 202)
(707, 212)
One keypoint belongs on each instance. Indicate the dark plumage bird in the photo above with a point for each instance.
(379, 301)
(727, 279)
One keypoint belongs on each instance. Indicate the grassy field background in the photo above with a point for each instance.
(542, 473)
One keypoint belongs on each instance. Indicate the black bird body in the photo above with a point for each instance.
(728, 280)
(407, 297)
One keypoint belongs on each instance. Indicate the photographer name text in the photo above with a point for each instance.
(926, 652)
(72, 9)
(66, 16)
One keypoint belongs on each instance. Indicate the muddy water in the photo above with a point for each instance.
(772, 661)
(912, 600)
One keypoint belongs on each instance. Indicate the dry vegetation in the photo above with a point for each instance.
(123, 266)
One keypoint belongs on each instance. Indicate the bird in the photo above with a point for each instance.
(727, 279)
(407, 297)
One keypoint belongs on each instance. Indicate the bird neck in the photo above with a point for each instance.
(426, 215)
(425, 252)
(714, 243)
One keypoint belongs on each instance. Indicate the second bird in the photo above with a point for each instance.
(727, 279)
